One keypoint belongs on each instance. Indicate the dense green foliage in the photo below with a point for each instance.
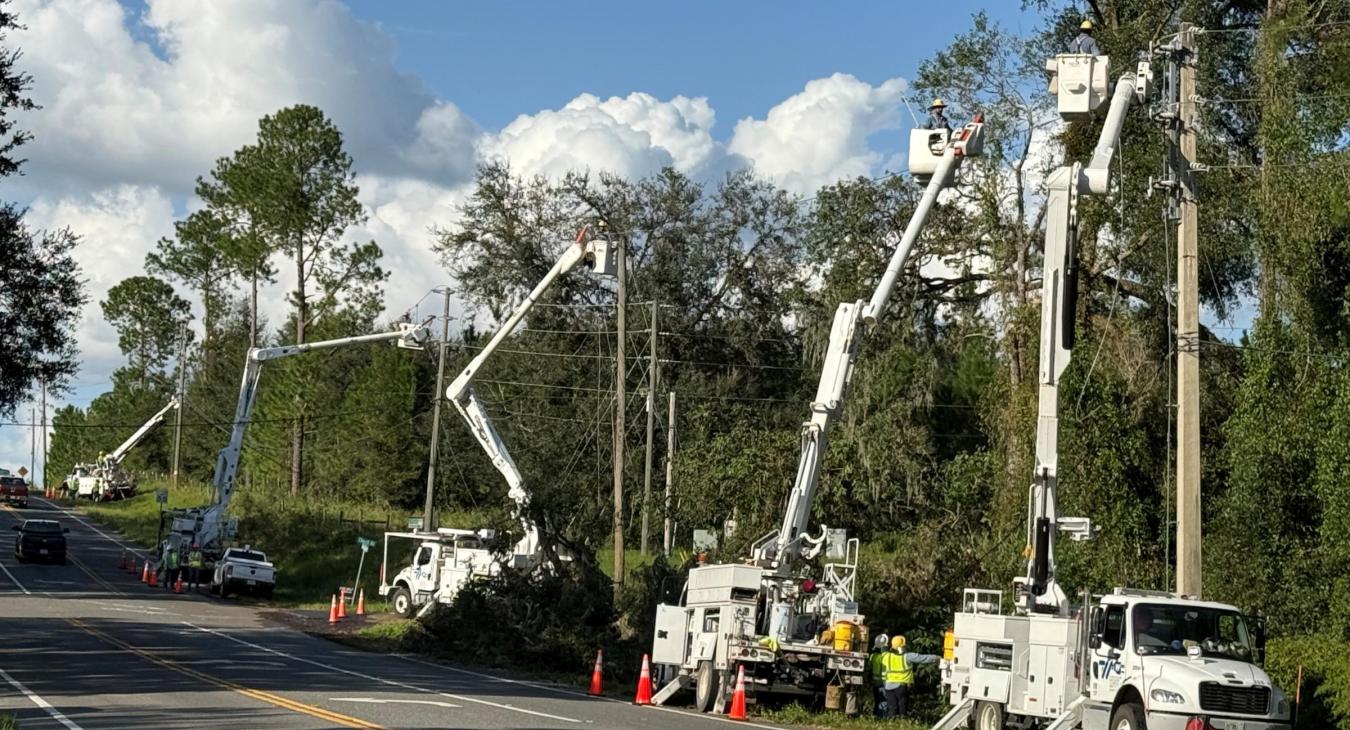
(737, 282)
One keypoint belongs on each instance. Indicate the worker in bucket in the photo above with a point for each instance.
(876, 673)
(898, 676)
(196, 561)
(1084, 42)
(937, 118)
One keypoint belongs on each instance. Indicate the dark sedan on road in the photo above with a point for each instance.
(40, 540)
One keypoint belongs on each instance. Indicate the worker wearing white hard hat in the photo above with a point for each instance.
(1084, 42)
(876, 673)
(937, 118)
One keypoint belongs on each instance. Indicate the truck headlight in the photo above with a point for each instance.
(1167, 697)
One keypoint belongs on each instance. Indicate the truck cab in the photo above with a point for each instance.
(1133, 659)
(442, 563)
(1165, 660)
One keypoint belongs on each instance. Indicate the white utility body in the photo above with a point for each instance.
(104, 479)
(768, 613)
(601, 257)
(209, 526)
(1131, 659)
(445, 561)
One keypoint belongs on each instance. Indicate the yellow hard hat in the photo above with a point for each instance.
(937, 103)
(1085, 25)
(898, 642)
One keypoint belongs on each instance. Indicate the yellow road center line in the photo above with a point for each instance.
(257, 694)
(87, 571)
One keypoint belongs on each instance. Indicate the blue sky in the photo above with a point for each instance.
(499, 59)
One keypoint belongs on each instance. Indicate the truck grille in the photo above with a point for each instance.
(1215, 697)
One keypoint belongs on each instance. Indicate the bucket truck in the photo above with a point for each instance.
(104, 479)
(1131, 659)
(448, 558)
(772, 613)
(209, 526)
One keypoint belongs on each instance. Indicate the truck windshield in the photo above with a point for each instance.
(1173, 629)
(248, 555)
(43, 527)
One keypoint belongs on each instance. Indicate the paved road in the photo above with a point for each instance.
(87, 646)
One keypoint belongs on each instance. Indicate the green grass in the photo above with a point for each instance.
(633, 560)
(795, 714)
(7, 722)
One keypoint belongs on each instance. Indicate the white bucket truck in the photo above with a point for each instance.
(444, 562)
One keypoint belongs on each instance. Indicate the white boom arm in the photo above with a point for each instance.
(600, 255)
(1038, 590)
(115, 458)
(780, 550)
(212, 519)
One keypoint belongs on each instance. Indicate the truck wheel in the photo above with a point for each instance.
(706, 687)
(1129, 716)
(225, 589)
(988, 716)
(401, 602)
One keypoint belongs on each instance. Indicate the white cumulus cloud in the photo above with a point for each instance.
(819, 136)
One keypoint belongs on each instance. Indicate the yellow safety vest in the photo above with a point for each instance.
(876, 667)
(897, 670)
(195, 559)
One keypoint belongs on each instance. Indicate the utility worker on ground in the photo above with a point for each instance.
(196, 561)
(1084, 42)
(170, 568)
(936, 118)
(876, 673)
(898, 673)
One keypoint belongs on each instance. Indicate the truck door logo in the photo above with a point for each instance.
(1104, 668)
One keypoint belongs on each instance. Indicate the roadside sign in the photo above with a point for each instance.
(162, 496)
(365, 543)
(414, 523)
(23, 472)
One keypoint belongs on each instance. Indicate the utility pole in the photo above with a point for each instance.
(651, 420)
(1188, 326)
(428, 513)
(42, 383)
(178, 417)
(32, 443)
(620, 370)
(670, 471)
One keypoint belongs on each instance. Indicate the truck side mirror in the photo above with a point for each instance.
(1259, 638)
(1095, 641)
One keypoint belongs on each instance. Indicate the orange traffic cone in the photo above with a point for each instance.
(597, 676)
(145, 573)
(738, 697)
(332, 611)
(361, 602)
(154, 579)
(342, 606)
(644, 688)
(178, 585)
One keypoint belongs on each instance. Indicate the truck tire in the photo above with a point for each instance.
(224, 589)
(987, 716)
(1128, 716)
(400, 602)
(706, 687)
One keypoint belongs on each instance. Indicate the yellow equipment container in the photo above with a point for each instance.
(844, 632)
(949, 645)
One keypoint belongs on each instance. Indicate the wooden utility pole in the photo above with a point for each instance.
(651, 421)
(428, 511)
(670, 471)
(620, 370)
(1188, 329)
(32, 443)
(178, 417)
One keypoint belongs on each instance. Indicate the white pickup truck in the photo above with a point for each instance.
(243, 570)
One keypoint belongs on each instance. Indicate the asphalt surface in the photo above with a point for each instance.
(87, 646)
